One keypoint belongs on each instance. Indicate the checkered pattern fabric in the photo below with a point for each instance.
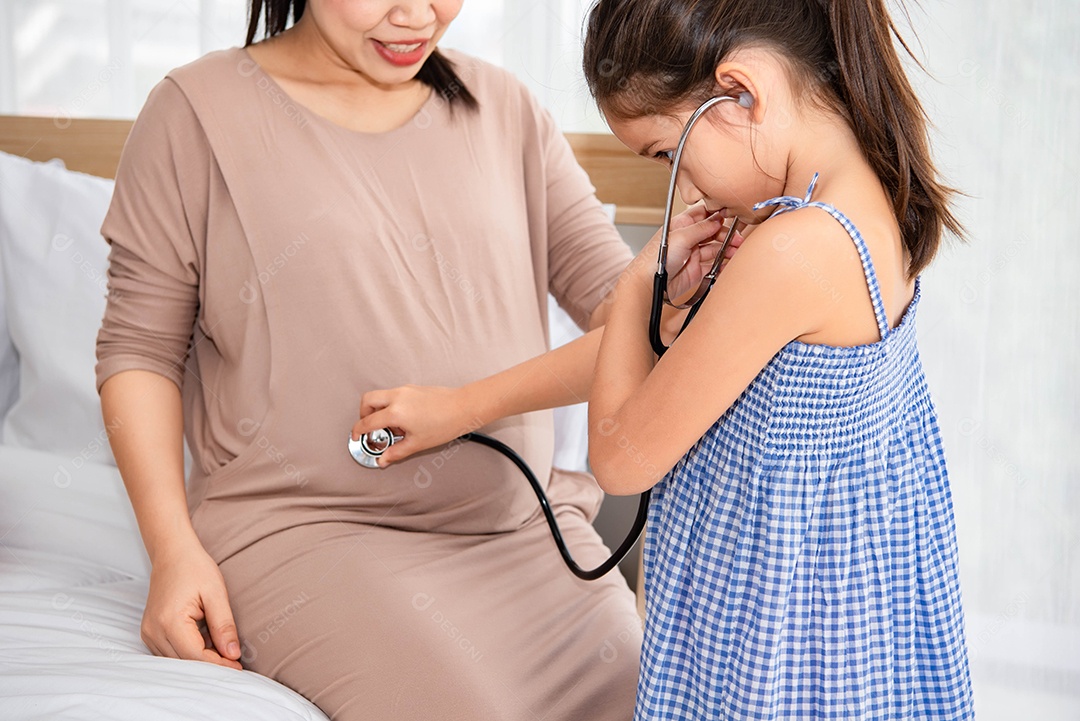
(800, 560)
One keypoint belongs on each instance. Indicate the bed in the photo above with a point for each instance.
(73, 572)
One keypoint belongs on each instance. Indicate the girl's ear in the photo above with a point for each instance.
(737, 80)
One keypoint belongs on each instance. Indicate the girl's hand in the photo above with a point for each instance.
(427, 416)
(186, 590)
(694, 241)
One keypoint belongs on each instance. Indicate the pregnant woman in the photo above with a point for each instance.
(307, 221)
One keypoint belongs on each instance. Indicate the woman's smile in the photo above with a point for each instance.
(402, 54)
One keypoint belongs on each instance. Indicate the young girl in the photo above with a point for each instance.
(800, 559)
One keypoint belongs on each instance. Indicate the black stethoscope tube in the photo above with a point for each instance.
(588, 575)
(367, 450)
(659, 287)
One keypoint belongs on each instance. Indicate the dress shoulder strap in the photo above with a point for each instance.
(790, 202)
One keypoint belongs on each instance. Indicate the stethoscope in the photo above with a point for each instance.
(371, 446)
(660, 295)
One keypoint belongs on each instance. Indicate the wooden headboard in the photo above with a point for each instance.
(636, 187)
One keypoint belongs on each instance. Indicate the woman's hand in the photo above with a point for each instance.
(187, 588)
(427, 416)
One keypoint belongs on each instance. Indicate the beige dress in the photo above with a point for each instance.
(276, 266)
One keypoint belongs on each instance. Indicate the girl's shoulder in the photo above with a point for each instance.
(818, 253)
(805, 235)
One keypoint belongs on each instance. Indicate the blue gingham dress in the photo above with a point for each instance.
(800, 560)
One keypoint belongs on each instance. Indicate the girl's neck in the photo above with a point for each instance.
(825, 144)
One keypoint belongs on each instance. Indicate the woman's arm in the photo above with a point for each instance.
(156, 226)
(186, 587)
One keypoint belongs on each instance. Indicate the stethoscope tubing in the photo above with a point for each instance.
(367, 453)
(660, 296)
(549, 514)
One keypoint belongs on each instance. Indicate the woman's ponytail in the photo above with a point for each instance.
(890, 124)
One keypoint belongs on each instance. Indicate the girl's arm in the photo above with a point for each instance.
(645, 415)
(430, 416)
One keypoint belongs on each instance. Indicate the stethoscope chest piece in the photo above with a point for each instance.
(371, 446)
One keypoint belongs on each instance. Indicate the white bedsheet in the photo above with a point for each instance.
(73, 580)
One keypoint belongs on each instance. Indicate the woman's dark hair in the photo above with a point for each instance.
(437, 72)
(646, 56)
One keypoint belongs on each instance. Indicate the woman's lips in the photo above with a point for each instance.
(402, 54)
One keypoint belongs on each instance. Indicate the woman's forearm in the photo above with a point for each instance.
(144, 411)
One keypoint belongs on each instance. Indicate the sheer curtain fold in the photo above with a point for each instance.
(999, 326)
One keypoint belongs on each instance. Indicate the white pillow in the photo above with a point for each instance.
(53, 260)
(80, 512)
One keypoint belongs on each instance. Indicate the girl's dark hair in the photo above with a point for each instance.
(437, 72)
(644, 57)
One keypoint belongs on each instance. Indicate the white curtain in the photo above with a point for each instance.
(100, 58)
(1000, 338)
(1000, 330)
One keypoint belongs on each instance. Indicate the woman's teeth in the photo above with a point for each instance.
(398, 48)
